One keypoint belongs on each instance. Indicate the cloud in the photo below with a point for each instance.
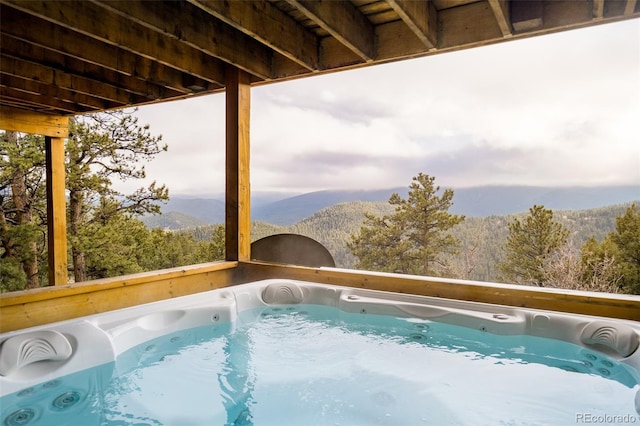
(559, 109)
(194, 131)
(342, 105)
(469, 164)
(484, 164)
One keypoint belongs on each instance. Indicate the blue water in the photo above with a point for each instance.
(315, 365)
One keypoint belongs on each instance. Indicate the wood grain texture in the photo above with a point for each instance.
(56, 211)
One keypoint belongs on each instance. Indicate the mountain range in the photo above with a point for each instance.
(184, 211)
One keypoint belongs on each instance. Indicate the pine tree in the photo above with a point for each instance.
(212, 250)
(100, 148)
(623, 247)
(530, 243)
(627, 238)
(22, 211)
(414, 238)
(599, 268)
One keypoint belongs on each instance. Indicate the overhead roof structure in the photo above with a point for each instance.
(69, 57)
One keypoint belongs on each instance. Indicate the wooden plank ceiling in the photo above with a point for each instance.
(69, 57)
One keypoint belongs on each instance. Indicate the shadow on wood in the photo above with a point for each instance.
(291, 249)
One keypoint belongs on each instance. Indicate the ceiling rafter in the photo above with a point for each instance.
(467, 24)
(258, 18)
(598, 9)
(344, 22)
(32, 53)
(187, 25)
(108, 27)
(86, 49)
(39, 102)
(53, 92)
(630, 7)
(50, 76)
(420, 17)
(501, 8)
(64, 57)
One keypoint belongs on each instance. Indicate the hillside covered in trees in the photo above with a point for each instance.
(483, 238)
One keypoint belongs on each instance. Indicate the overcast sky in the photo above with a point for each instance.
(560, 110)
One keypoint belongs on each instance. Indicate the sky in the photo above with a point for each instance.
(554, 110)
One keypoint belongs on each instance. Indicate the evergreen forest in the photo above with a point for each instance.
(483, 239)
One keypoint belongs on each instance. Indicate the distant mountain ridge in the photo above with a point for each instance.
(293, 209)
(206, 210)
(479, 201)
(501, 200)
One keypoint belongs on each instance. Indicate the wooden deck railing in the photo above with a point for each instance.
(50, 304)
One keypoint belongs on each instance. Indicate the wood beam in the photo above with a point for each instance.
(262, 21)
(459, 27)
(562, 14)
(630, 7)
(395, 39)
(27, 52)
(189, 25)
(334, 54)
(72, 44)
(36, 102)
(598, 9)
(51, 95)
(17, 120)
(56, 211)
(501, 9)
(70, 82)
(344, 22)
(421, 17)
(108, 27)
(237, 205)
(468, 25)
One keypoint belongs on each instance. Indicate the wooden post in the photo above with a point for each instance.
(238, 191)
(56, 211)
(55, 129)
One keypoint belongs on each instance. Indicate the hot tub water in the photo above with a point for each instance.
(317, 365)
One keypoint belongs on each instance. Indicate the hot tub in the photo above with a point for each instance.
(291, 352)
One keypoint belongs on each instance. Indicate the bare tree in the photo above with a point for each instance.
(566, 269)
